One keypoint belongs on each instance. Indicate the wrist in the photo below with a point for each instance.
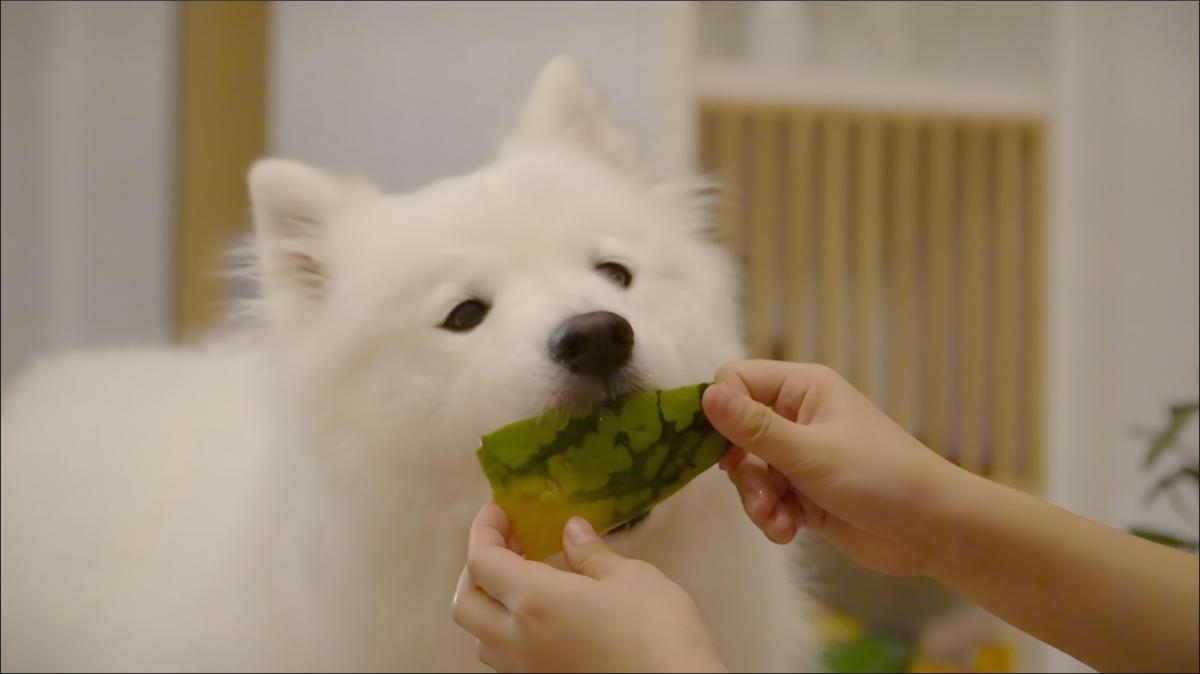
(957, 524)
(704, 664)
(698, 657)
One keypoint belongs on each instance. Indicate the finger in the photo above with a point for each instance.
(814, 516)
(753, 426)
(476, 612)
(782, 526)
(731, 458)
(783, 386)
(586, 553)
(777, 517)
(755, 475)
(495, 568)
(757, 492)
(493, 657)
(778, 480)
(768, 499)
(791, 501)
(491, 526)
(748, 464)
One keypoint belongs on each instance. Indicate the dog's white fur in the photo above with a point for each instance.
(298, 498)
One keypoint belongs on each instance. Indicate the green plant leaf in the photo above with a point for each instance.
(1166, 481)
(871, 653)
(1180, 416)
(1165, 539)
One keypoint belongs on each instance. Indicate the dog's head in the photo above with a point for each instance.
(552, 276)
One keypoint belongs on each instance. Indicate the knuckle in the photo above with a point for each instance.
(530, 611)
(726, 371)
(640, 565)
(486, 655)
(587, 565)
(645, 574)
(474, 565)
(823, 371)
(759, 423)
(832, 377)
(636, 568)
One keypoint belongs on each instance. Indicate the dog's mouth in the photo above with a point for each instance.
(588, 390)
(584, 390)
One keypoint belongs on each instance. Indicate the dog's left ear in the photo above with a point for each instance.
(294, 205)
(563, 107)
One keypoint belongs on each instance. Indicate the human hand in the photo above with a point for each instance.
(611, 614)
(810, 450)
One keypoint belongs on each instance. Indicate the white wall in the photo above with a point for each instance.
(1124, 317)
(410, 92)
(1125, 275)
(88, 104)
(22, 293)
(1081, 357)
(1158, 287)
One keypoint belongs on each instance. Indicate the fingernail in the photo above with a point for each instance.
(580, 531)
(723, 399)
(729, 403)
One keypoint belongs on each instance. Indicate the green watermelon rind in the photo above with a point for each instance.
(627, 455)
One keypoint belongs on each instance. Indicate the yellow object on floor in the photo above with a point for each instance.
(921, 667)
(838, 627)
(994, 658)
(988, 659)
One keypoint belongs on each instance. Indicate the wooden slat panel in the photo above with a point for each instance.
(973, 306)
(833, 238)
(761, 216)
(706, 155)
(798, 233)
(964, 233)
(902, 345)
(1034, 304)
(939, 195)
(1006, 369)
(222, 129)
(729, 162)
(868, 255)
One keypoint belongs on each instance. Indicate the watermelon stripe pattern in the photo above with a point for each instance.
(608, 464)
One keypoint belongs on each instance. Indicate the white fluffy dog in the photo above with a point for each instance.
(299, 497)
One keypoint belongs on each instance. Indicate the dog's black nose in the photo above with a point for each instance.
(596, 343)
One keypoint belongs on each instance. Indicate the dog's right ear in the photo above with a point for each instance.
(293, 206)
(563, 107)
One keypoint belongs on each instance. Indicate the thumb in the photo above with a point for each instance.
(753, 426)
(586, 553)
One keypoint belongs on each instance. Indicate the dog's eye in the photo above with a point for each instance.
(465, 316)
(617, 273)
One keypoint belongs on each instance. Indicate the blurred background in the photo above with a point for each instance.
(984, 214)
